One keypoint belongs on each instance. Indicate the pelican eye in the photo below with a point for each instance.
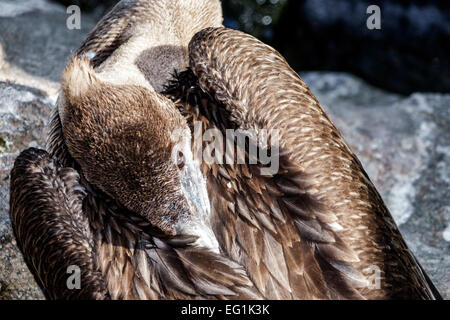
(180, 160)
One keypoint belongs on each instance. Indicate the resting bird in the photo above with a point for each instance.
(121, 194)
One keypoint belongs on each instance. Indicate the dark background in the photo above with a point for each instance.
(410, 53)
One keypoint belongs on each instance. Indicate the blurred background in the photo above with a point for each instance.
(387, 90)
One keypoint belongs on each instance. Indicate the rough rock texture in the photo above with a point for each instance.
(34, 47)
(100, 6)
(36, 42)
(23, 112)
(403, 142)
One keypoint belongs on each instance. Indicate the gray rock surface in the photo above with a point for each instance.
(35, 42)
(34, 47)
(403, 142)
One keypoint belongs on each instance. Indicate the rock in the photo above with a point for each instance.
(411, 47)
(34, 47)
(96, 6)
(24, 113)
(403, 142)
(36, 42)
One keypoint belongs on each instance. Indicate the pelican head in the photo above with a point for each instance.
(135, 146)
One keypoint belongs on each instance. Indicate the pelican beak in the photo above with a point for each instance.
(194, 189)
(193, 186)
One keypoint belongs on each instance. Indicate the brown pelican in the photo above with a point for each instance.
(119, 195)
(120, 253)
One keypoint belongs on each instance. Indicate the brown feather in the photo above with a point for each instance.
(319, 181)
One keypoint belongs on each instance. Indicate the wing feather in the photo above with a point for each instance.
(320, 184)
(50, 226)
